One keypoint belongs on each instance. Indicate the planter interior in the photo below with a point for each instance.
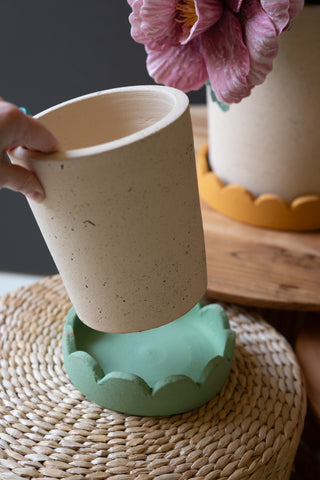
(100, 119)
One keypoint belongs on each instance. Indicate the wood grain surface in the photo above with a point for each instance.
(255, 266)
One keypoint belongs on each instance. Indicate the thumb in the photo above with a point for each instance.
(18, 129)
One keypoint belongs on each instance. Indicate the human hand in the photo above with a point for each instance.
(18, 129)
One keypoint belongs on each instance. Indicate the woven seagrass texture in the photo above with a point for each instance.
(49, 430)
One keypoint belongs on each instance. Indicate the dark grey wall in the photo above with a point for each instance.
(50, 51)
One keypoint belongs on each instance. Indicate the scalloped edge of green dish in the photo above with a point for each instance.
(130, 393)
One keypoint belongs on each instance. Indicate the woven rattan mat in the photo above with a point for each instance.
(48, 430)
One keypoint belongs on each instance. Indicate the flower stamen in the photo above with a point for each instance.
(186, 15)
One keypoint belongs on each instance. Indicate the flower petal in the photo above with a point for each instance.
(261, 41)
(135, 21)
(234, 5)
(227, 59)
(295, 8)
(208, 13)
(278, 12)
(153, 22)
(181, 67)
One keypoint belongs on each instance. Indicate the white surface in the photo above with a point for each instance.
(10, 281)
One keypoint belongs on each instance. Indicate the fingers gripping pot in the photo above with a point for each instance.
(121, 216)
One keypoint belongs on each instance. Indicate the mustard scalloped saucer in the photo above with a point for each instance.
(267, 210)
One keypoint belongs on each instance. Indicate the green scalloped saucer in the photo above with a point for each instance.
(163, 371)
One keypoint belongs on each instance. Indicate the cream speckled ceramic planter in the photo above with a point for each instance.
(269, 143)
(122, 217)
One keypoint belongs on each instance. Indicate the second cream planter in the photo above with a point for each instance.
(270, 142)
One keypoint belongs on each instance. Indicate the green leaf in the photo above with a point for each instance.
(224, 106)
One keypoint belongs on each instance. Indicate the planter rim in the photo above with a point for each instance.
(179, 104)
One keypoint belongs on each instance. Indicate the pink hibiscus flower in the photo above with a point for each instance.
(230, 42)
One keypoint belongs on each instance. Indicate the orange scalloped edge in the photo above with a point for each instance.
(267, 210)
